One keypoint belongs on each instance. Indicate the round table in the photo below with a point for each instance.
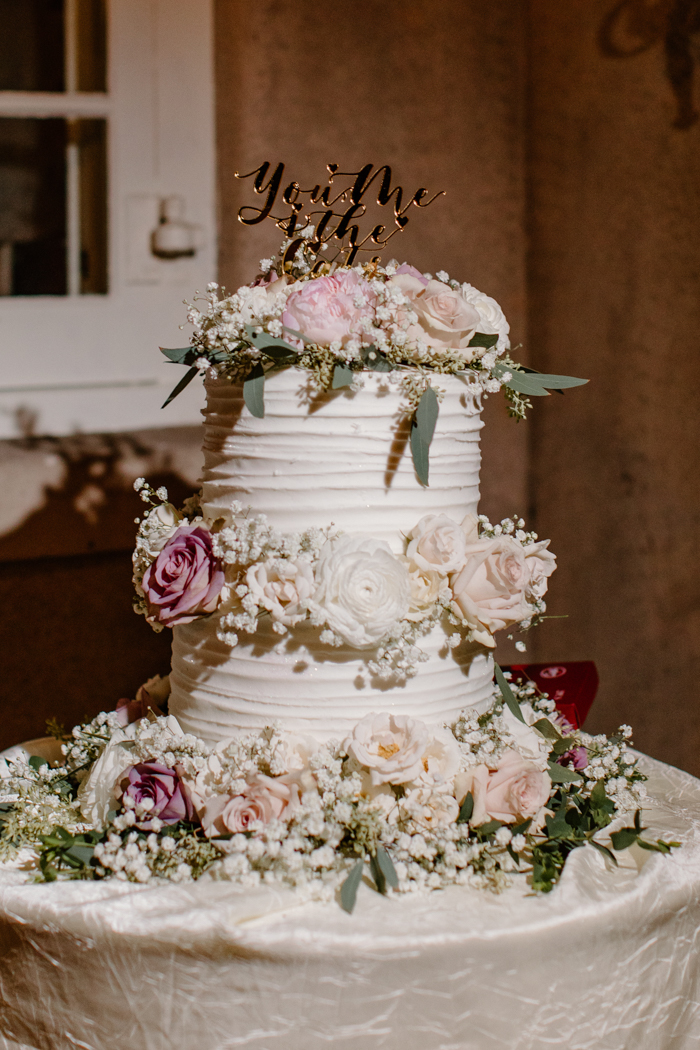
(607, 961)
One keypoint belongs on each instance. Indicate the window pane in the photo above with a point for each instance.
(92, 45)
(32, 206)
(31, 45)
(92, 145)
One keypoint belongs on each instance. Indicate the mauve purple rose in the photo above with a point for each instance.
(163, 786)
(185, 580)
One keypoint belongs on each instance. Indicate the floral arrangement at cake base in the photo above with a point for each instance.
(502, 795)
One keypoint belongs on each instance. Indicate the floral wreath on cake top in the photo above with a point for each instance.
(508, 792)
(337, 322)
(474, 577)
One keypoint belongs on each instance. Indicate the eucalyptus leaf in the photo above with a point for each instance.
(279, 354)
(659, 846)
(81, 852)
(466, 809)
(179, 355)
(375, 360)
(481, 339)
(349, 888)
(377, 874)
(254, 391)
(342, 376)
(562, 774)
(388, 870)
(533, 383)
(422, 430)
(557, 826)
(297, 334)
(508, 694)
(604, 850)
(265, 342)
(421, 455)
(36, 762)
(623, 838)
(545, 727)
(185, 381)
(489, 828)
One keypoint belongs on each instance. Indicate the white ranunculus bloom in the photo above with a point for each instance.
(362, 590)
(440, 760)
(390, 746)
(283, 587)
(492, 318)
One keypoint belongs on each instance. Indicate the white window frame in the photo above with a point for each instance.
(90, 363)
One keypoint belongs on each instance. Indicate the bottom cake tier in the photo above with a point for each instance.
(218, 691)
(607, 960)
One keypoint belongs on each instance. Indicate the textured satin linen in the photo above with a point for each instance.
(341, 458)
(607, 961)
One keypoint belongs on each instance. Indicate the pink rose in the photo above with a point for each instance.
(160, 787)
(489, 593)
(515, 791)
(264, 799)
(185, 580)
(541, 564)
(330, 309)
(445, 318)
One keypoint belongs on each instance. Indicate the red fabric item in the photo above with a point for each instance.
(572, 686)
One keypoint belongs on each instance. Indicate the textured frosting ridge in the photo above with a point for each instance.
(340, 457)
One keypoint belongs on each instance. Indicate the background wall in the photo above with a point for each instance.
(614, 260)
(572, 198)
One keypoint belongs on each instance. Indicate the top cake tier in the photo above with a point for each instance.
(338, 457)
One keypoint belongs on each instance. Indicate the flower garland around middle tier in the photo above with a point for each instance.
(473, 577)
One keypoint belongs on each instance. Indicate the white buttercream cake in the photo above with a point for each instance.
(337, 457)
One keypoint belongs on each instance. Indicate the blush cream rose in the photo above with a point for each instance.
(516, 790)
(490, 591)
(362, 590)
(445, 320)
(264, 799)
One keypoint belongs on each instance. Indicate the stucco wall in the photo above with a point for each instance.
(614, 259)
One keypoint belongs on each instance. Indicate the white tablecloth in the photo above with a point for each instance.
(607, 961)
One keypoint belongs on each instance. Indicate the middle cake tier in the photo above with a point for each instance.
(340, 458)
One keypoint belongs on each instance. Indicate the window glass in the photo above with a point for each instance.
(92, 45)
(91, 137)
(32, 45)
(32, 206)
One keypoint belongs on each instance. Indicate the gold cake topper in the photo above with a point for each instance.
(316, 206)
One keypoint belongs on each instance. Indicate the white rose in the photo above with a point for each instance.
(438, 543)
(445, 318)
(390, 746)
(160, 524)
(541, 564)
(528, 741)
(283, 587)
(491, 318)
(362, 589)
(430, 808)
(96, 792)
(426, 587)
(489, 592)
